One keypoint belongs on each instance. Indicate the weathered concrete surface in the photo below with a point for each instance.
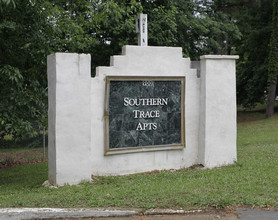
(135, 214)
(69, 118)
(217, 145)
(57, 213)
(179, 217)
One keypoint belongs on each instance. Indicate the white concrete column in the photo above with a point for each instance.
(218, 111)
(69, 118)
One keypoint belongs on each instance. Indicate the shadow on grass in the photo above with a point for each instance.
(29, 175)
(250, 115)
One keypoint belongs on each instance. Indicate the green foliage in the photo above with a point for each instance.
(115, 27)
(251, 181)
(6, 3)
(162, 23)
(273, 63)
(273, 54)
(254, 21)
(44, 27)
(197, 27)
(97, 27)
(23, 84)
(101, 28)
(221, 31)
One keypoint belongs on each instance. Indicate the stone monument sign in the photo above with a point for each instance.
(149, 110)
(144, 113)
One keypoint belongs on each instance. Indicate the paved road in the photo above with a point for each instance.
(134, 214)
(253, 214)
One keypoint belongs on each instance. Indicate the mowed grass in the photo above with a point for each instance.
(252, 181)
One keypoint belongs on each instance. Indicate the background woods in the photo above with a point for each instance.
(31, 30)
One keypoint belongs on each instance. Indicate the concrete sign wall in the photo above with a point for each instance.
(147, 111)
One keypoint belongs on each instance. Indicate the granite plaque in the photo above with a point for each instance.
(144, 113)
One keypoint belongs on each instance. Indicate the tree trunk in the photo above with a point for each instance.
(273, 62)
(271, 100)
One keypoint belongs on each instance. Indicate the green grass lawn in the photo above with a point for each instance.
(252, 181)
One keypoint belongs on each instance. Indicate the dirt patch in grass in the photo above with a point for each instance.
(14, 158)
(247, 117)
(255, 114)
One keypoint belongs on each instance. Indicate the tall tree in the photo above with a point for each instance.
(23, 47)
(196, 26)
(98, 27)
(253, 19)
(44, 27)
(273, 62)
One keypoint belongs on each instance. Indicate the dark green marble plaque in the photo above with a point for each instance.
(144, 113)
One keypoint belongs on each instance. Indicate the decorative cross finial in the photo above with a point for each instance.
(142, 29)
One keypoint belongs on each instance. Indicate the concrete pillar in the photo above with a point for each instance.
(218, 111)
(69, 118)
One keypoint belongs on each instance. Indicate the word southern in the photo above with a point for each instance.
(145, 101)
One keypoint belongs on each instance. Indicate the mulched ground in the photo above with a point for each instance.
(11, 159)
